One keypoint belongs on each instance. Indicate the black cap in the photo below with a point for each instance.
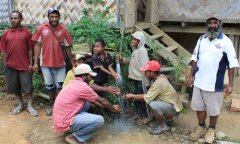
(52, 10)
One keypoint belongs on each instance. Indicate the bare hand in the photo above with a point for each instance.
(116, 76)
(119, 57)
(128, 96)
(228, 90)
(116, 109)
(113, 90)
(35, 68)
(190, 81)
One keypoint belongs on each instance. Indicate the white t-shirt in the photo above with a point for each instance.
(212, 59)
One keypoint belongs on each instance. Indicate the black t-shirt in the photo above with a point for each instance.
(101, 77)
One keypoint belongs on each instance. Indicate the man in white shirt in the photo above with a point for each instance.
(213, 53)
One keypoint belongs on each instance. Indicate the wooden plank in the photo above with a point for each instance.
(169, 41)
(144, 25)
(172, 48)
(156, 36)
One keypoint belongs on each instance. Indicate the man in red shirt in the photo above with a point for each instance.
(71, 105)
(52, 42)
(17, 46)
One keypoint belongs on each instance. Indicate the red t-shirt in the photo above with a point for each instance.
(17, 44)
(69, 102)
(51, 52)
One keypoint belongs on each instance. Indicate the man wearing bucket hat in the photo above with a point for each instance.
(213, 53)
(138, 59)
(53, 43)
(161, 97)
(71, 105)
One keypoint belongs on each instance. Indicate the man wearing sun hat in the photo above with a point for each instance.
(161, 97)
(213, 53)
(71, 105)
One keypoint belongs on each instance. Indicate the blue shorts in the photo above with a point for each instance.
(53, 77)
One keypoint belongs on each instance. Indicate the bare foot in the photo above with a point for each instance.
(71, 139)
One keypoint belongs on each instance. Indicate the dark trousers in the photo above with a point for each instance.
(140, 106)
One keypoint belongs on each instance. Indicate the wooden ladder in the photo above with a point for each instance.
(167, 48)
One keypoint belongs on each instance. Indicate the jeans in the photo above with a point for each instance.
(84, 124)
(53, 77)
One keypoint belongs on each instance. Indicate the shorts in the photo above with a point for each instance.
(162, 107)
(207, 101)
(53, 77)
(18, 81)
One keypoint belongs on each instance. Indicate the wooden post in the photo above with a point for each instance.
(152, 11)
(130, 15)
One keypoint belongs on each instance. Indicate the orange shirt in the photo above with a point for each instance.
(17, 44)
(52, 53)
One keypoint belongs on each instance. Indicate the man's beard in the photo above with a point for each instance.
(53, 25)
(215, 33)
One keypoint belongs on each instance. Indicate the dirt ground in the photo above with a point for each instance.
(23, 129)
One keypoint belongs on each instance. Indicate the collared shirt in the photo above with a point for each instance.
(17, 44)
(69, 102)
(97, 63)
(51, 40)
(212, 58)
(162, 90)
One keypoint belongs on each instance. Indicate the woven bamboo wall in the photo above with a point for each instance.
(130, 13)
(4, 14)
(35, 11)
(199, 10)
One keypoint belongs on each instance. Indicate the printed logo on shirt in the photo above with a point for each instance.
(45, 32)
(218, 46)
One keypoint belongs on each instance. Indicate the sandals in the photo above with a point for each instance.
(17, 110)
(33, 112)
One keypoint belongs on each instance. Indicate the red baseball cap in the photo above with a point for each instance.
(151, 66)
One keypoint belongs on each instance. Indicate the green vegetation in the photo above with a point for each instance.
(38, 82)
(94, 1)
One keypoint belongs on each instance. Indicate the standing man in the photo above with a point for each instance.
(161, 97)
(213, 53)
(17, 47)
(55, 41)
(70, 109)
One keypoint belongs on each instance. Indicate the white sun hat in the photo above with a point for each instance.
(84, 69)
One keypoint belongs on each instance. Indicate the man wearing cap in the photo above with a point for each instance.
(213, 53)
(16, 46)
(139, 58)
(71, 105)
(52, 41)
(78, 59)
(161, 97)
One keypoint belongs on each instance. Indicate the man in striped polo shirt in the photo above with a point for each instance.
(71, 105)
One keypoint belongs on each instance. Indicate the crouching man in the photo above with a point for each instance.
(161, 97)
(71, 105)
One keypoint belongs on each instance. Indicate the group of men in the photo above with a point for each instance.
(51, 42)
